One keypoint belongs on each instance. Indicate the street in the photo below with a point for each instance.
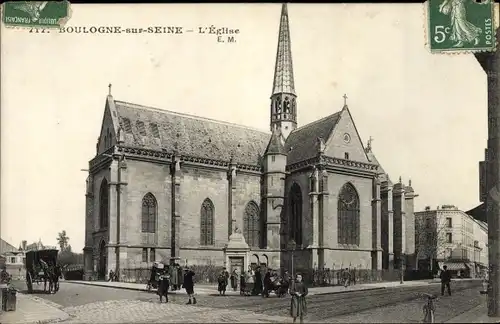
(100, 304)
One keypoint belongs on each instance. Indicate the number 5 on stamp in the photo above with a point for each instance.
(461, 26)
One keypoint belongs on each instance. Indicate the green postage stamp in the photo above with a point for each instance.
(461, 25)
(43, 14)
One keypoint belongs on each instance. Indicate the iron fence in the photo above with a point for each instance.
(331, 277)
(204, 274)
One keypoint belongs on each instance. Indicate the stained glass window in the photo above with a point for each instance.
(295, 226)
(104, 204)
(252, 225)
(149, 210)
(348, 215)
(207, 223)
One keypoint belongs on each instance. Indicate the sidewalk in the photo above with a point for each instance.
(31, 309)
(212, 289)
(478, 314)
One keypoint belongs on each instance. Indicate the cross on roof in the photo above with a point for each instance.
(345, 99)
(370, 140)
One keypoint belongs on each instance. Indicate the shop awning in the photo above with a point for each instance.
(452, 266)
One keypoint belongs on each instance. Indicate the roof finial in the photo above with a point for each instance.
(369, 144)
(409, 182)
(400, 179)
(109, 86)
(345, 99)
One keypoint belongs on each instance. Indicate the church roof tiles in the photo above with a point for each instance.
(275, 145)
(191, 135)
(302, 143)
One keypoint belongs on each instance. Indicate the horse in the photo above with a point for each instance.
(56, 274)
(48, 276)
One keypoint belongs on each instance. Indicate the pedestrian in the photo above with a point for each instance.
(298, 304)
(4, 276)
(346, 277)
(221, 280)
(234, 279)
(111, 275)
(163, 285)
(267, 283)
(258, 282)
(445, 280)
(174, 278)
(353, 276)
(249, 280)
(226, 276)
(242, 283)
(188, 284)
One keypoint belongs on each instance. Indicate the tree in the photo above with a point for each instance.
(63, 240)
(431, 239)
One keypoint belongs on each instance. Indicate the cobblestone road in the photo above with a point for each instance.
(92, 304)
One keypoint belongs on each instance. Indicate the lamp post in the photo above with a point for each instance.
(401, 269)
(292, 246)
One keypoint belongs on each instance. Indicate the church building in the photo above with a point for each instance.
(170, 186)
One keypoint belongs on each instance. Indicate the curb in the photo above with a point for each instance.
(132, 288)
(215, 292)
(346, 291)
(47, 303)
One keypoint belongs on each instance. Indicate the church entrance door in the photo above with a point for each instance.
(236, 263)
(102, 261)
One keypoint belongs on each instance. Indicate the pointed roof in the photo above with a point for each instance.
(157, 129)
(283, 71)
(302, 143)
(275, 145)
(371, 157)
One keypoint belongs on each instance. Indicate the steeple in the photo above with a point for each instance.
(283, 97)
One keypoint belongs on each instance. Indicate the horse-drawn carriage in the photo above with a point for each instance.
(41, 266)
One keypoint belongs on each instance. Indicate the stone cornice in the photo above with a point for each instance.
(162, 157)
(334, 163)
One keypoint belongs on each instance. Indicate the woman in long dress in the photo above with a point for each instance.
(461, 29)
(298, 305)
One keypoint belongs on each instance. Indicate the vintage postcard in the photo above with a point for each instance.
(249, 162)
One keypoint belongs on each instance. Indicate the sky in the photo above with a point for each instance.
(426, 112)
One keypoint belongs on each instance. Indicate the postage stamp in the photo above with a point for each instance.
(47, 14)
(461, 26)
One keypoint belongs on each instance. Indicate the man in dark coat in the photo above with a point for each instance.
(163, 285)
(445, 280)
(226, 276)
(188, 284)
(258, 282)
(267, 283)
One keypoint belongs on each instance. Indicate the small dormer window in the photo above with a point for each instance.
(127, 127)
(346, 156)
(154, 130)
(141, 128)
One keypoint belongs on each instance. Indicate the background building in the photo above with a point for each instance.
(14, 259)
(449, 236)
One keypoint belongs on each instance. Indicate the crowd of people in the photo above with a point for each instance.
(251, 282)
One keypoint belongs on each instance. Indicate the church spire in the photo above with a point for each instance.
(283, 97)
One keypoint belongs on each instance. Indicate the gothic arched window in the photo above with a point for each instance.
(295, 226)
(149, 213)
(207, 223)
(252, 225)
(104, 205)
(286, 105)
(348, 215)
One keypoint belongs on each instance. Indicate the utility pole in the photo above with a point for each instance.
(490, 62)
